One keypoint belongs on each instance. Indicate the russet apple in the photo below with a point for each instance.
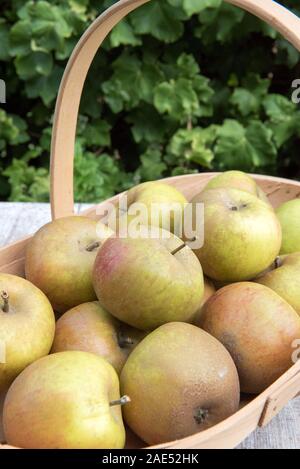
(284, 279)
(289, 217)
(68, 400)
(148, 282)
(242, 235)
(60, 258)
(89, 328)
(181, 381)
(257, 327)
(237, 180)
(27, 326)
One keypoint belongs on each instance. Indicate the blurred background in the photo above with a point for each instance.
(180, 86)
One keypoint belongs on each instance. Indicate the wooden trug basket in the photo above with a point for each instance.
(260, 410)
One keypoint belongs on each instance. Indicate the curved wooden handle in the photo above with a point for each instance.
(67, 106)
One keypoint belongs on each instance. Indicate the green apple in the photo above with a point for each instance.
(237, 180)
(181, 380)
(284, 279)
(242, 235)
(27, 326)
(164, 205)
(289, 217)
(68, 400)
(89, 328)
(148, 282)
(258, 328)
(60, 259)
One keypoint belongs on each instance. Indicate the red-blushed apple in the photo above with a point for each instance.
(60, 259)
(257, 327)
(89, 328)
(148, 282)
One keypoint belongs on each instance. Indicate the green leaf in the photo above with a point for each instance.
(243, 148)
(284, 117)
(123, 34)
(45, 87)
(248, 100)
(195, 145)
(152, 167)
(4, 41)
(218, 24)
(37, 63)
(19, 39)
(194, 6)
(147, 125)
(160, 20)
(27, 182)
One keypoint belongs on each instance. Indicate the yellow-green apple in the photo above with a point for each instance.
(148, 282)
(237, 180)
(284, 279)
(68, 400)
(289, 217)
(181, 381)
(60, 259)
(89, 328)
(27, 326)
(258, 328)
(209, 290)
(242, 235)
(164, 205)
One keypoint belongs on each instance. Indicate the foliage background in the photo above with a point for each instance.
(181, 86)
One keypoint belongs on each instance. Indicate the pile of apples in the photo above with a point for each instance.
(149, 333)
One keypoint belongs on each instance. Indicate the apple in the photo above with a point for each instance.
(237, 180)
(242, 235)
(168, 208)
(68, 400)
(284, 279)
(289, 217)
(209, 290)
(60, 258)
(89, 328)
(258, 328)
(147, 282)
(181, 381)
(27, 326)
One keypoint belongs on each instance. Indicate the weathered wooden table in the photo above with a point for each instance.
(18, 220)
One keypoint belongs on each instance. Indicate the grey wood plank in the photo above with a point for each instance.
(18, 220)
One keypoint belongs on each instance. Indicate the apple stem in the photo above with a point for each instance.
(201, 415)
(124, 341)
(278, 262)
(175, 251)
(122, 401)
(5, 298)
(93, 246)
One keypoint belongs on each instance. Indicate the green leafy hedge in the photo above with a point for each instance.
(180, 86)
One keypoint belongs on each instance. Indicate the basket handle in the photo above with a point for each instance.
(68, 101)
